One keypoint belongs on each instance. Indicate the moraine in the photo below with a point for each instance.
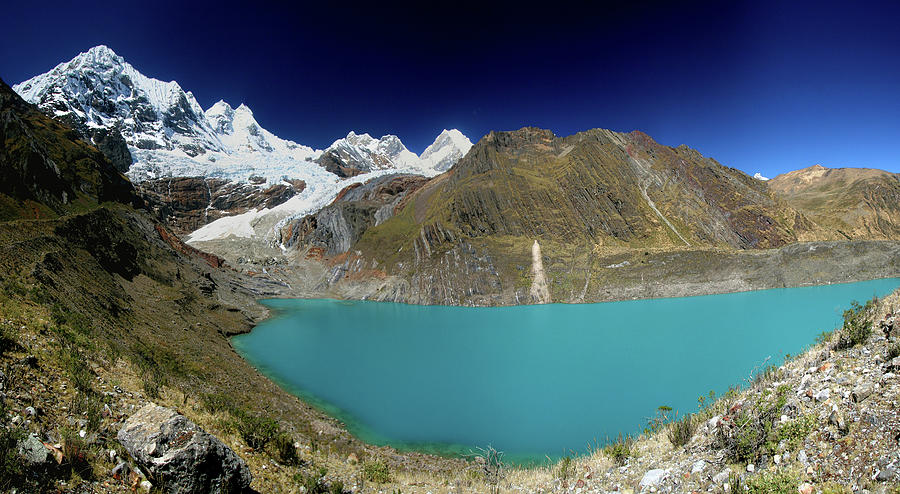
(532, 381)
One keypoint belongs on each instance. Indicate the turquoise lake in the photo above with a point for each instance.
(532, 381)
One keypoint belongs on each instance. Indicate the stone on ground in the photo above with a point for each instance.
(178, 456)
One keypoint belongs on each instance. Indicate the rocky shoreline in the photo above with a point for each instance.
(608, 276)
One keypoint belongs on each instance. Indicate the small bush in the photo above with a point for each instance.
(217, 403)
(681, 431)
(7, 339)
(12, 287)
(313, 482)
(771, 483)
(893, 352)
(492, 466)
(857, 325)
(655, 424)
(285, 452)
(79, 374)
(752, 431)
(76, 454)
(833, 488)
(795, 431)
(620, 449)
(11, 472)
(88, 405)
(257, 432)
(337, 487)
(566, 468)
(376, 471)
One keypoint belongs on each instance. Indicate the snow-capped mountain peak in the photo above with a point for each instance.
(221, 116)
(99, 89)
(446, 150)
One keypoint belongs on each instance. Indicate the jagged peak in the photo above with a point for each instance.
(100, 52)
(219, 107)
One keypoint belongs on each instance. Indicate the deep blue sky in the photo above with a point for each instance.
(759, 86)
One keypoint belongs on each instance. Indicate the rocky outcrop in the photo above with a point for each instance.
(358, 207)
(178, 456)
(187, 203)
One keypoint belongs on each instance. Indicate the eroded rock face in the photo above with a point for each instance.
(357, 208)
(187, 203)
(178, 456)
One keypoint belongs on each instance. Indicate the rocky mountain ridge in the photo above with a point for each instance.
(853, 202)
(155, 131)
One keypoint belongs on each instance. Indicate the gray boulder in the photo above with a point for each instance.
(34, 451)
(178, 456)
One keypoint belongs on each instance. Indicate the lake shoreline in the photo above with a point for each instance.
(611, 275)
(316, 316)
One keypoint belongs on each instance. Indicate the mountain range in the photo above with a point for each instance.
(155, 131)
(457, 224)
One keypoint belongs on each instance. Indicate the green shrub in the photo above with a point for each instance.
(771, 483)
(376, 471)
(857, 325)
(88, 405)
(795, 431)
(337, 487)
(11, 471)
(12, 287)
(312, 482)
(76, 454)
(217, 403)
(285, 452)
(620, 449)
(566, 468)
(77, 369)
(681, 431)
(753, 430)
(655, 424)
(256, 431)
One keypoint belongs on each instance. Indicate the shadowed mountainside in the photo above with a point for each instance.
(46, 170)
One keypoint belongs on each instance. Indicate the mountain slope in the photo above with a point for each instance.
(43, 171)
(854, 202)
(599, 188)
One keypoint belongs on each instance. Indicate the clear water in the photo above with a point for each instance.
(532, 381)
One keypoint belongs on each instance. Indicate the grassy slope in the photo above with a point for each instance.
(855, 202)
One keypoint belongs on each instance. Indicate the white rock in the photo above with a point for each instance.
(801, 457)
(822, 395)
(653, 477)
(751, 467)
(698, 466)
(776, 459)
(146, 485)
(722, 477)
